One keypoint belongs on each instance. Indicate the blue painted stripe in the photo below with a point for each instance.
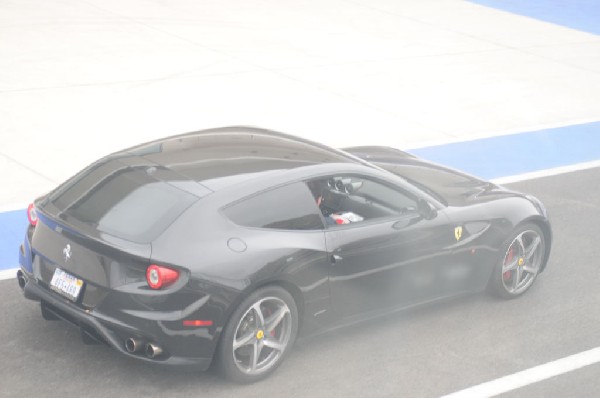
(515, 154)
(582, 15)
(488, 158)
(13, 225)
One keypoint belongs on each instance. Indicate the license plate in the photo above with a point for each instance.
(66, 284)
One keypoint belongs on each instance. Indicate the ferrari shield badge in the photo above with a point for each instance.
(458, 233)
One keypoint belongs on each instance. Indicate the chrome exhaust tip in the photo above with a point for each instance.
(152, 350)
(21, 279)
(132, 344)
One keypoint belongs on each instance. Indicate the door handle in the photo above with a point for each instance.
(335, 258)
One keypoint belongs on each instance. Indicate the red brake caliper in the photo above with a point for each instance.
(269, 312)
(509, 257)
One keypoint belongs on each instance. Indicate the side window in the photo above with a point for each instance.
(350, 199)
(287, 207)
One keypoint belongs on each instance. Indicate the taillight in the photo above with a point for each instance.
(32, 215)
(158, 276)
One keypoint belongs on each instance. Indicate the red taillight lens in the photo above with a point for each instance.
(159, 277)
(32, 215)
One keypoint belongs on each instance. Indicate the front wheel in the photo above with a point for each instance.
(520, 262)
(259, 335)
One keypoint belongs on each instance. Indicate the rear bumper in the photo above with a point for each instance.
(101, 328)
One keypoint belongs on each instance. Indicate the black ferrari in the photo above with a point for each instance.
(226, 244)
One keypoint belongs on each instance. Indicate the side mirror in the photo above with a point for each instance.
(426, 210)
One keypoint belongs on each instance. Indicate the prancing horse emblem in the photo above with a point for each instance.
(458, 233)
(67, 252)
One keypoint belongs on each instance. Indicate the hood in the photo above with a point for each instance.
(449, 186)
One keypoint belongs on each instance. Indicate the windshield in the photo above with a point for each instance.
(445, 185)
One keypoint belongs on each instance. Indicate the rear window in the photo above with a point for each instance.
(290, 207)
(128, 203)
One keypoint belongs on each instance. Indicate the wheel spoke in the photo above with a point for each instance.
(512, 265)
(532, 248)
(275, 319)
(254, 356)
(244, 340)
(259, 315)
(519, 240)
(516, 278)
(274, 344)
(529, 269)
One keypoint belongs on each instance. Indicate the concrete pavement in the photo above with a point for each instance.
(81, 79)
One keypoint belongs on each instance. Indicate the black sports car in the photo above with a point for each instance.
(226, 243)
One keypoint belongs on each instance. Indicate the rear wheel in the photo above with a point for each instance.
(521, 260)
(259, 335)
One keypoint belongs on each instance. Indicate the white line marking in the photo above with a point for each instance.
(547, 172)
(530, 376)
(8, 274)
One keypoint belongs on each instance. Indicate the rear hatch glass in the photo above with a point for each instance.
(135, 203)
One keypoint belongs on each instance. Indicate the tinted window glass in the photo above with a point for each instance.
(124, 202)
(383, 195)
(353, 199)
(288, 207)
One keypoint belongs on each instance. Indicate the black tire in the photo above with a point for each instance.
(509, 284)
(237, 365)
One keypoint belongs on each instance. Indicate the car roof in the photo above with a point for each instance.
(221, 157)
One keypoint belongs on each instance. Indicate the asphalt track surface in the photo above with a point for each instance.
(426, 352)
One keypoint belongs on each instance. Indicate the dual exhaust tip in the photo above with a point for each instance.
(21, 279)
(151, 350)
(132, 344)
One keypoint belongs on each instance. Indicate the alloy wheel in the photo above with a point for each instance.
(522, 261)
(261, 336)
